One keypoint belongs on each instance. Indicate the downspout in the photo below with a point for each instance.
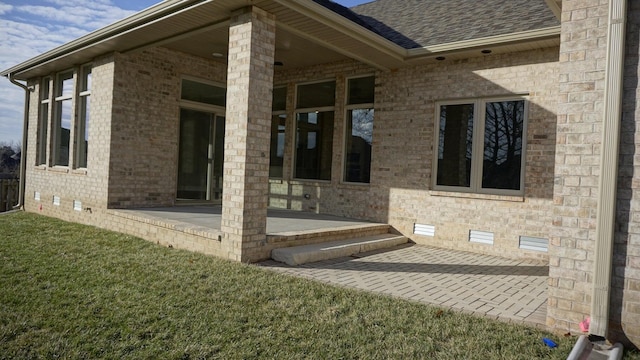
(23, 150)
(606, 213)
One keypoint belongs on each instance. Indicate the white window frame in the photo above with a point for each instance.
(83, 108)
(347, 108)
(478, 146)
(56, 119)
(44, 119)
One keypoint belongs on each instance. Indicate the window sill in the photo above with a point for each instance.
(512, 198)
(59, 169)
(297, 181)
(80, 171)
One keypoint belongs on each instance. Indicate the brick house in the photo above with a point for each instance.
(500, 127)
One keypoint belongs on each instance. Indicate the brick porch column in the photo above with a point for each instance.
(247, 134)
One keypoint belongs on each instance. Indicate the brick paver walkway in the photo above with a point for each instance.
(500, 288)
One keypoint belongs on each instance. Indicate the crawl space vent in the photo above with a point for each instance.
(481, 237)
(423, 229)
(534, 243)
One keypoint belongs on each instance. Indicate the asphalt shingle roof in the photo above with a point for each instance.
(420, 23)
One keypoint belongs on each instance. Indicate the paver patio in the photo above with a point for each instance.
(495, 287)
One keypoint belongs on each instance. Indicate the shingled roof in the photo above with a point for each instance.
(420, 23)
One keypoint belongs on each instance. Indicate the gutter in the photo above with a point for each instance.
(607, 187)
(23, 150)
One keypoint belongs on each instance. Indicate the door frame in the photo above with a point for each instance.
(217, 112)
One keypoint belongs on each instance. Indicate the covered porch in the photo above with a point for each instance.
(198, 228)
(280, 222)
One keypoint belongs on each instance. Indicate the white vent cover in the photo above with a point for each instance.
(56, 200)
(36, 196)
(534, 243)
(482, 237)
(77, 205)
(423, 229)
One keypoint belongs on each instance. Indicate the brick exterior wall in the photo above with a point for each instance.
(145, 125)
(141, 165)
(582, 78)
(403, 145)
(89, 185)
(580, 114)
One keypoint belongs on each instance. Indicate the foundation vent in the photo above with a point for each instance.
(77, 205)
(534, 243)
(36, 196)
(423, 229)
(481, 237)
(56, 200)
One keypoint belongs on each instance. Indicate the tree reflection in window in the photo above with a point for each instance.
(502, 159)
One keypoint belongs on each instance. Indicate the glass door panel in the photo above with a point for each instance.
(200, 156)
(218, 157)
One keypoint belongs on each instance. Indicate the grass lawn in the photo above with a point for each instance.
(73, 291)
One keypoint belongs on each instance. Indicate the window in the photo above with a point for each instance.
(201, 92)
(82, 131)
(359, 132)
(481, 146)
(43, 121)
(62, 120)
(278, 123)
(314, 135)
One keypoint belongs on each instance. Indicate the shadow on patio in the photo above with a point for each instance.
(495, 287)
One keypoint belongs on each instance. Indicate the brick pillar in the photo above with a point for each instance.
(247, 134)
(577, 166)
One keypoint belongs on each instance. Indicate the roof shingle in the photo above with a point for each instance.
(420, 23)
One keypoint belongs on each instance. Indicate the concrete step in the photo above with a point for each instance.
(324, 235)
(330, 250)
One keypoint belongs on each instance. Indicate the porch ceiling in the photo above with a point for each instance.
(304, 37)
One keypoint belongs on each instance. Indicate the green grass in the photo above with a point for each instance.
(72, 291)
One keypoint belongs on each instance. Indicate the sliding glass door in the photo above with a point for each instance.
(200, 156)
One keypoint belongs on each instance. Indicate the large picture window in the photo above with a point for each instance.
(64, 105)
(359, 129)
(480, 146)
(314, 135)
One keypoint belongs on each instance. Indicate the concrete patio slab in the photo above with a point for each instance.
(278, 221)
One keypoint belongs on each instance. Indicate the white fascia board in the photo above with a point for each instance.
(339, 22)
(519, 37)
